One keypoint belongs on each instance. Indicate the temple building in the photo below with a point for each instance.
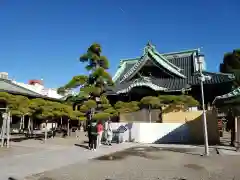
(34, 88)
(174, 73)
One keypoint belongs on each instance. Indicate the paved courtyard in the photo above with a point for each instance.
(68, 159)
(150, 163)
(33, 156)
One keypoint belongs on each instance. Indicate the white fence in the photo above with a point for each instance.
(154, 132)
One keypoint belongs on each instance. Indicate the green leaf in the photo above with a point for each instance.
(84, 58)
(151, 101)
(127, 107)
(101, 116)
(84, 108)
(104, 63)
(90, 104)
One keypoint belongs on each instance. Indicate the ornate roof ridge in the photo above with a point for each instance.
(219, 73)
(163, 54)
(171, 67)
(181, 52)
(129, 59)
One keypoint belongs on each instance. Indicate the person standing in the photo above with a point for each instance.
(93, 135)
(88, 128)
(109, 132)
(5, 139)
(100, 132)
(231, 126)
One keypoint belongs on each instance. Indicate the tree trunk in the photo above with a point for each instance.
(46, 130)
(68, 131)
(149, 114)
(52, 130)
(21, 122)
(29, 124)
(8, 128)
(4, 129)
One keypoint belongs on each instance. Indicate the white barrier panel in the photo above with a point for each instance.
(154, 132)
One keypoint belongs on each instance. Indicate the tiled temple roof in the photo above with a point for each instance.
(232, 97)
(181, 65)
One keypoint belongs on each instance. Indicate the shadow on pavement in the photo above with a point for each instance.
(82, 146)
(11, 178)
(148, 152)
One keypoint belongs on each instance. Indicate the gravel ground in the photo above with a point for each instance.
(149, 163)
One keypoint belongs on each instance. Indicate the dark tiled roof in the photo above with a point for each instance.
(183, 61)
(177, 84)
(232, 98)
(128, 66)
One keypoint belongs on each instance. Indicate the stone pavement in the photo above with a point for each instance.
(22, 165)
(33, 157)
(151, 162)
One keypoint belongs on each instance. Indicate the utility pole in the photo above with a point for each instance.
(203, 78)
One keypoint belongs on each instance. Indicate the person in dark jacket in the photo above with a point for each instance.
(93, 135)
(88, 133)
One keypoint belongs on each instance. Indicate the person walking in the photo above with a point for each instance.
(100, 132)
(93, 135)
(109, 133)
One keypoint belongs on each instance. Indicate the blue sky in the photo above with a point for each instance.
(44, 38)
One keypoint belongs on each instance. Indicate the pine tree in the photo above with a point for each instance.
(95, 84)
(231, 64)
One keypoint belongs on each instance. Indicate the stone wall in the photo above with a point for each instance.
(140, 116)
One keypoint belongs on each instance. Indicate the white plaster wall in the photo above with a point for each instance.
(152, 132)
(38, 88)
(155, 132)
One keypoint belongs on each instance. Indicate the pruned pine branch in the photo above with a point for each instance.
(39, 108)
(104, 75)
(103, 62)
(76, 81)
(84, 58)
(91, 90)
